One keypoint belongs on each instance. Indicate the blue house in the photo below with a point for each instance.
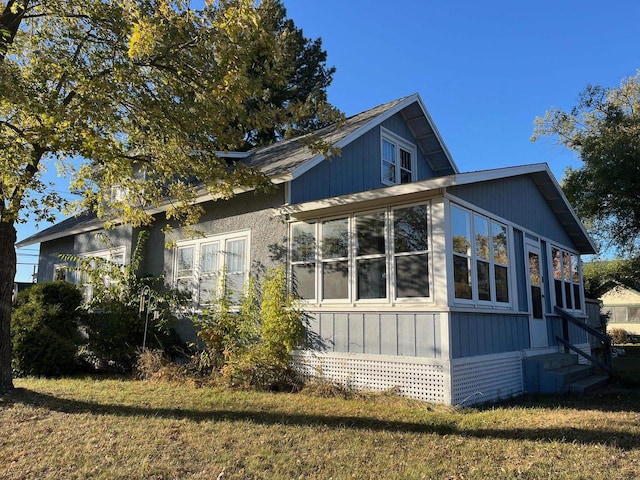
(416, 276)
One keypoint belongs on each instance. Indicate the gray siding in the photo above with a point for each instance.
(474, 334)
(399, 334)
(357, 169)
(103, 240)
(246, 211)
(49, 252)
(577, 336)
(518, 200)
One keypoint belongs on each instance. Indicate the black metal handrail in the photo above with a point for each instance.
(567, 317)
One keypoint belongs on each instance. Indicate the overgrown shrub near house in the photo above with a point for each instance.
(44, 329)
(250, 347)
(618, 336)
(114, 327)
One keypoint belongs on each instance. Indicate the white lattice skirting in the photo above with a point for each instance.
(461, 382)
(420, 378)
(486, 378)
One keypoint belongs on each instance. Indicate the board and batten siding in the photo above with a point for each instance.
(474, 334)
(356, 169)
(518, 200)
(400, 334)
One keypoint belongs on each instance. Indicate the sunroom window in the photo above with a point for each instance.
(566, 279)
(480, 257)
(373, 256)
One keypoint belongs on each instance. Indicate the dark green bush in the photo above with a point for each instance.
(44, 329)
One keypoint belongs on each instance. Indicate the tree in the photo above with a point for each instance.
(600, 276)
(604, 129)
(143, 93)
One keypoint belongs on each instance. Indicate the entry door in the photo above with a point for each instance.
(537, 321)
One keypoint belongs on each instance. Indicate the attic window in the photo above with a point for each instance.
(398, 159)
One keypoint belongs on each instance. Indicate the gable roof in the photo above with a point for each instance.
(539, 172)
(291, 158)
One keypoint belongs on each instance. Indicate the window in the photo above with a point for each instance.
(480, 257)
(373, 256)
(398, 159)
(201, 267)
(115, 257)
(566, 279)
(60, 272)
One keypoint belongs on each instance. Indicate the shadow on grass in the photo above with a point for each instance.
(609, 437)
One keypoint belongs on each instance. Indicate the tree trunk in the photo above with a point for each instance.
(7, 277)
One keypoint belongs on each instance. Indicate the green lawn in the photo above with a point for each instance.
(120, 428)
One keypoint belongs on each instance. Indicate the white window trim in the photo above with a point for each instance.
(197, 244)
(474, 301)
(399, 143)
(391, 291)
(551, 283)
(106, 254)
(64, 267)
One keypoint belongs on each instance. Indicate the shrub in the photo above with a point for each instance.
(251, 347)
(114, 326)
(618, 336)
(44, 329)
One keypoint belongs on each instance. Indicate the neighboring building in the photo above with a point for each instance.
(414, 275)
(622, 304)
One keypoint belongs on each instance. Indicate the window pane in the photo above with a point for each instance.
(557, 263)
(566, 266)
(335, 238)
(460, 227)
(304, 280)
(574, 269)
(484, 283)
(481, 226)
(372, 278)
(405, 166)
(388, 151)
(370, 234)
(567, 291)
(576, 296)
(235, 268)
(388, 161)
(412, 276)
(234, 284)
(558, 289)
(335, 276)
(410, 229)
(208, 287)
(235, 256)
(500, 252)
(185, 261)
(303, 242)
(502, 284)
(461, 277)
(388, 172)
(209, 258)
(405, 160)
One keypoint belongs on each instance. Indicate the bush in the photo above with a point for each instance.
(44, 329)
(618, 336)
(251, 347)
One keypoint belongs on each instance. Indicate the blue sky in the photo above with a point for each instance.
(485, 70)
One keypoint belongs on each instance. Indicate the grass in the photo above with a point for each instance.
(121, 428)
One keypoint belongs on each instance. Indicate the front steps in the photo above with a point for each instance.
(560, 372)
